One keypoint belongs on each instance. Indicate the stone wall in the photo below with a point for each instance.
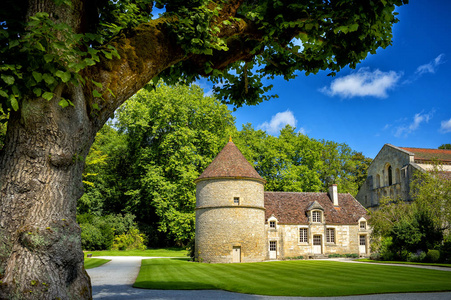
(222, 224)
(288, 244)
(377, 184)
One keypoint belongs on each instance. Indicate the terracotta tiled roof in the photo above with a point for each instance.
(290, 208)
(422, 154)
(230, 162)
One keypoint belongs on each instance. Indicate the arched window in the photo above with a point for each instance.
(378, 181)
(388, 177)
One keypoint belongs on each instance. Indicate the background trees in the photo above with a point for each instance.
(161, 142)
(146, 162)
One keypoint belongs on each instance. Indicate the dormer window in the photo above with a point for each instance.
(236, 200)
(362, 225)
(316, 216)
(272, 223)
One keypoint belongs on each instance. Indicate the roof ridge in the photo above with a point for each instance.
(428, 149)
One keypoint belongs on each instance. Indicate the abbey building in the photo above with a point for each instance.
(237, 221)
(393, 168)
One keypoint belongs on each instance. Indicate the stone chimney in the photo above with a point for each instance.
(333, 194)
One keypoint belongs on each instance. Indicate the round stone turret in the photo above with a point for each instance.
(230, 213)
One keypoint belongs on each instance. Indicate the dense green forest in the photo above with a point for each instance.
(145, 163)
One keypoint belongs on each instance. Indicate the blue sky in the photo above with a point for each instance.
(401, 95)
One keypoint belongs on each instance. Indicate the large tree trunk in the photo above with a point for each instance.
(40, 181)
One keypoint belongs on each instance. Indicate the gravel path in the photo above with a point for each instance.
(114, 280)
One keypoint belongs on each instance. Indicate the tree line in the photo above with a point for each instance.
(145, 161)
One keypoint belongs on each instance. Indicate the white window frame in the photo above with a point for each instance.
(362, 225)
(317, 214)
(236, 200)
(272, 224)
(303, 238)
(362, 237)
(330, 238)
(272, 245)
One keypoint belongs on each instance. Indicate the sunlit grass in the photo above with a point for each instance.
(291, 278)
(404, 263)
(94, 262)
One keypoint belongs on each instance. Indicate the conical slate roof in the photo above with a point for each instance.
(230, 163)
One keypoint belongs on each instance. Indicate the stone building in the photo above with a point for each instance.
(237, 221)
(392, 170)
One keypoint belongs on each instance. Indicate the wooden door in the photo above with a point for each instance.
(236, 255)
(273, 250)
(362, 244)
(317, 244)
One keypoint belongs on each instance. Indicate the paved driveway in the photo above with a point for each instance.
(114, 280)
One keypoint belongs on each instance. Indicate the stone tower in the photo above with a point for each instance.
(230, 213)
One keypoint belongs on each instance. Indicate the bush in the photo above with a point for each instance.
(375, 256)
(294, 257)
(445, 250)
(348, 255)
(417, 257)
(433, 256)
(385, 252)
(98, 232)
(132, 240)
(91, 237)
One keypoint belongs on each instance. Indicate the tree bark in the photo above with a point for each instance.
(40, 181)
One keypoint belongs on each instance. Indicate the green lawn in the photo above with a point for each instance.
(94, 262)
(166, 252)
(403, 263)
(291, 278)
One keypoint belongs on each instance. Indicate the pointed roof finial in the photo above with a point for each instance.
(230, 139)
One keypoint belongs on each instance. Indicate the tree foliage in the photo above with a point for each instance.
(41, 51)
(100, 232)
(168, 137)
(421, 225)
(294, 162)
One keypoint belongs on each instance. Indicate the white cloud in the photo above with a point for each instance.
(363, 83)
(419, 118)
(303, 131)
(430, 67)
(445, 126)
(278, 121)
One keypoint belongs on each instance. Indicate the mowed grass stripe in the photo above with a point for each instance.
(291, 278)
(91, 263)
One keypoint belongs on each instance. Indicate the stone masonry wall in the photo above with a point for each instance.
(371, 191)
(221, 224)
(287, 237)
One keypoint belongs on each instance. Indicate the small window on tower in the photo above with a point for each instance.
(236, 200)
